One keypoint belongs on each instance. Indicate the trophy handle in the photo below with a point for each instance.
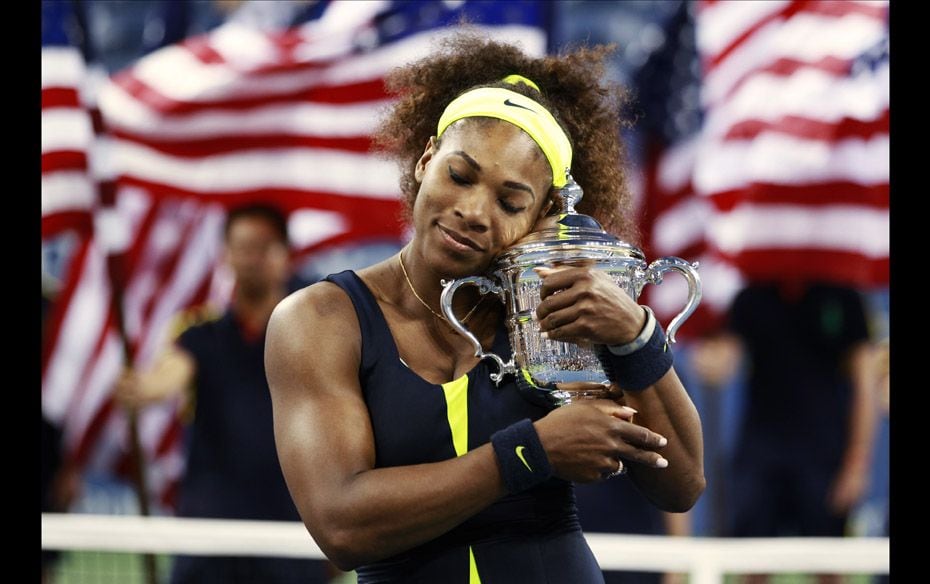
(689, 271)
(445, 300)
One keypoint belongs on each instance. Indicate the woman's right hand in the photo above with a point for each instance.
(585, 440)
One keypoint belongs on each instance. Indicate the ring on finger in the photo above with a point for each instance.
(621, 469)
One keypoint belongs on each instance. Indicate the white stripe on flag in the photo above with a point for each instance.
(780, 159)
(62, 67)
(242, 47)
(67, 190)
(723, 22)
(837, 227)
(307, 227)
(810, 94)
(66, 129)
(294, 168)
(681, 226)
(123, 112)
(676, 167)
(199, 81)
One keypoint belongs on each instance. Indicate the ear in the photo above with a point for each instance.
(425, 158)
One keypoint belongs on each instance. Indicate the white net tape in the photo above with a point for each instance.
(706, 559)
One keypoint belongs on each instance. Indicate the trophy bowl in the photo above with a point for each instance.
(549, 372)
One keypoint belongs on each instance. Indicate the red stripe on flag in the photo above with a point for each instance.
(66, 97)
(807, 194)
(811, 129)
(786, 67)
(197, 148)
(63, 160)
(813, 264)
(199, 47)
(60, 221)
(364, 91)
(876, 10)
(203, 290)
(169, 438)
(287, 199)
(131, 258)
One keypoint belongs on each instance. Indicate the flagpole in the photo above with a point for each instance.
(139, 466)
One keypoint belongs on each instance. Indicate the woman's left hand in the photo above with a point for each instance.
(585, 304)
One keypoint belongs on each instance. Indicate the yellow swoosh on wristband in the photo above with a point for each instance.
(519, 450)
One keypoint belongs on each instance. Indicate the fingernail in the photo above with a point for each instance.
(544, 335)
(663, 441)
(661, 463)
(629, 409)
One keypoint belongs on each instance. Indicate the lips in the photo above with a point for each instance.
(460, 239)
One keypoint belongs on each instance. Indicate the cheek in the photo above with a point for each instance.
(514, 230)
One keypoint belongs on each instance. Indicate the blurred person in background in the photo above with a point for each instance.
(215, 364)
(802, 460)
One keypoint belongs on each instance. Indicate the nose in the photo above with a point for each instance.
(472, 208)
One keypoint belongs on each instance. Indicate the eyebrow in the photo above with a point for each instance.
(509, 184)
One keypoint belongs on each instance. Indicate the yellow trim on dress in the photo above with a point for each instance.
(473, 577)
(457, 412)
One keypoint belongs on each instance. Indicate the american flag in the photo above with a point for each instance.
(234, 115)
(787, 174)
(68, 194)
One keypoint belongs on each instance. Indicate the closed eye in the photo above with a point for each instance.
(457, 178)
(508, 207)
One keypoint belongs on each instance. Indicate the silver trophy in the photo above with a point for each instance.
(554, 372)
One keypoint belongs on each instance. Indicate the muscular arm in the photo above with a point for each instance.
(355, 512)
(358, 513)
(665, 408)
(583, 303)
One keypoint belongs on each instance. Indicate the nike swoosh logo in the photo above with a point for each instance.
(519, 450)
(512, 104)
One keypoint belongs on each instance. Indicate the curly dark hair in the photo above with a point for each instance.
(571, 89)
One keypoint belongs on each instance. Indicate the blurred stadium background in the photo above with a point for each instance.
(158, 115)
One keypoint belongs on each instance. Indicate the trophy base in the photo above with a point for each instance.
(556, 394)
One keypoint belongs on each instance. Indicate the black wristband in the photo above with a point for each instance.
(641, 368)
(520, 456)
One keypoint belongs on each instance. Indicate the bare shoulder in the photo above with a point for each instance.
(322, 300)
(311, 332)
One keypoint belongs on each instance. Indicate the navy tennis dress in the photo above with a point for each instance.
(530, 537)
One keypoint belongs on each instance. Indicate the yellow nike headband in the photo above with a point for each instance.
(521, 111)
